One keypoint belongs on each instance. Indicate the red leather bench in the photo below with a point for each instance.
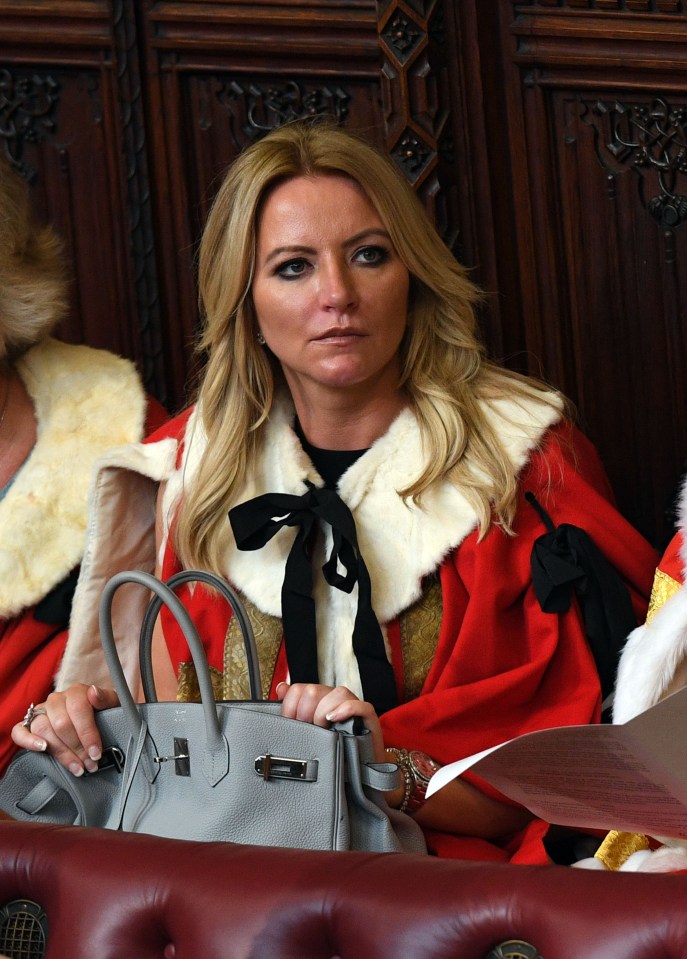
(103, 895)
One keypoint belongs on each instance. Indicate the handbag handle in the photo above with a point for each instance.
(151, 614)
(216, 758)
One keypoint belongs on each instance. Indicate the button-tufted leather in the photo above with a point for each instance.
(111, 895)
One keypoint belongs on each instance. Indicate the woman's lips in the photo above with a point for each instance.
(338, 334)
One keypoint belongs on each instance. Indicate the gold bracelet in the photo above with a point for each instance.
(403, 763)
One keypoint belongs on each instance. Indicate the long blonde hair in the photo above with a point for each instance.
(443, 368)
(33, 283)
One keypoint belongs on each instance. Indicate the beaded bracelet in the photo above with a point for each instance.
(403, 763)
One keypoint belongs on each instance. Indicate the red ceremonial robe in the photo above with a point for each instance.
(501, 667)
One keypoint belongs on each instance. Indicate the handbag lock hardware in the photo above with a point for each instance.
(278, 767)
(181, 757)
(112, 758)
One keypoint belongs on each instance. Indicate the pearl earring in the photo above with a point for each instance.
(260, 338)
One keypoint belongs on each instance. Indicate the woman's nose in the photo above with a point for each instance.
(337, 286)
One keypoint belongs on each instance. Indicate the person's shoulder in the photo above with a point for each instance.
(565, 447)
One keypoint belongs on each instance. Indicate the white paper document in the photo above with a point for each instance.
(631, 777)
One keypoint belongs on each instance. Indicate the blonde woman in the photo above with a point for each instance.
(357, 469)
(56, 419)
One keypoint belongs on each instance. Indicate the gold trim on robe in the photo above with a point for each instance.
(419, 626)
(663, 588)
(618, 846)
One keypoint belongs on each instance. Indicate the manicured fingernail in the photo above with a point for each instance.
(94, 752)
(39, 745)
(76, 769)
(331, 717)
(98, 693)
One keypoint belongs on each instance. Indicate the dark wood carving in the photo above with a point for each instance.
(415, 85)
(139, 205)
(650, 139)
(265, 107)
(28, 104)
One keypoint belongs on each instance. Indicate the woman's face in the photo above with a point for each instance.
(330, 292)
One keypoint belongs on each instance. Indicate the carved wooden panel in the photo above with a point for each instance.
(68, 123)
(546, 138)
(595, 124)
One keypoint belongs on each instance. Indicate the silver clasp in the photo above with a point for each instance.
(181, 757)
(278, 767)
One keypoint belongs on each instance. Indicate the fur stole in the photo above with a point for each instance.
(86, 401)
(655, 651)
(400, 542)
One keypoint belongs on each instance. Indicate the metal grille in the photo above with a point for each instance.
(23, 930)
(514, 949)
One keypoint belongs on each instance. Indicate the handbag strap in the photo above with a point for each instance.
(216, 759)
(231, 596)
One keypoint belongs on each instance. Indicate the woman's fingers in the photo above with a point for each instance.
(350, 708)
(65, 726)
(323, 705)
(310, 702)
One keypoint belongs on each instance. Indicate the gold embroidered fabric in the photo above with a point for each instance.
(419, 626)
(663, 588)
(188, 690)
(268, 634)
(232, 682)
(617, 848)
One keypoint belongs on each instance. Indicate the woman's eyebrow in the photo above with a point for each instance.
(351, 241)
(295, 248)
(373, 231)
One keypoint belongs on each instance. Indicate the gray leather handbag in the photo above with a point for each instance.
(230, 771)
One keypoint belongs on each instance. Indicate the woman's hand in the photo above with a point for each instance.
(64, 725)
(324, 705)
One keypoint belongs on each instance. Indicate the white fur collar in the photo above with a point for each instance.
(655, 650)
(86, 401)
(401, 543)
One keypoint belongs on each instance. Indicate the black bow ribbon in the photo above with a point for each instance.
(254, 523)
(566, 560)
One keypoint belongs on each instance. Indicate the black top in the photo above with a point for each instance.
(330, 464)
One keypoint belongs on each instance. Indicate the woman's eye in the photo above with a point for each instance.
(292, 269)
(372, 255)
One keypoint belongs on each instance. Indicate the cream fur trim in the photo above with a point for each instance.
(654, 652)
(86, 401)
(400, 542)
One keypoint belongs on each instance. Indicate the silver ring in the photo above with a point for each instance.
(31, 714)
